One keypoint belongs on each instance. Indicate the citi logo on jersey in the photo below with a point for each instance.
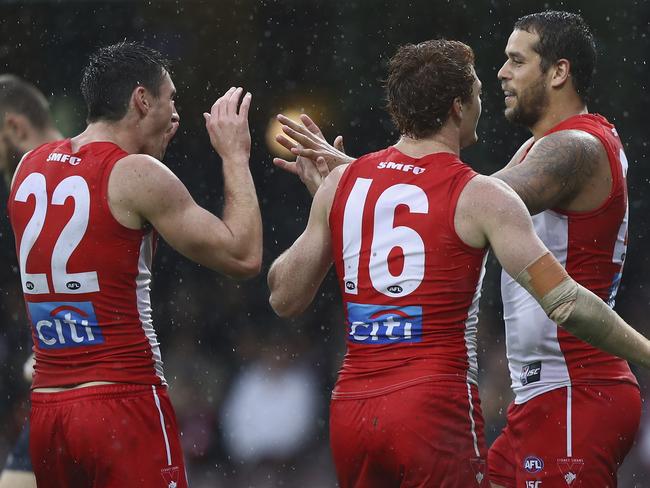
(63, 158)
(64, 324)
(381, 324)
(401, 167)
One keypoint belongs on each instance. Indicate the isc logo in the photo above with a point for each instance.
(531, 373)
(533, 484)
(64, 324)
(375, 324)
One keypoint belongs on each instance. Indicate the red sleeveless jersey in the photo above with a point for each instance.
(591, 246)
(85, 277)
(410, 286)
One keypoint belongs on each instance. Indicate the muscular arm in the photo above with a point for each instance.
(294, 277)
(556, 169)
(490, 212)
(142, 189)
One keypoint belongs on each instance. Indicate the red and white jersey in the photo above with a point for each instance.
(591, 246)
(85, 277)
(410, 286)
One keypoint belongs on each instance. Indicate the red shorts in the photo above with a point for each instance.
(537, 450)
(426, 435)
(106, 436)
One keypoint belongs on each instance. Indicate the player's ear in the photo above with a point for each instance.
(561, 73)
(456, 110)
(141, 100)
(18, 128)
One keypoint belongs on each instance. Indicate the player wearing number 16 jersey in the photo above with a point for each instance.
(407, 228)
(86, 212)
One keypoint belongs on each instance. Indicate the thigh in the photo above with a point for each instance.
(561, 438)
(114, 439)
(422, 436)
(54, 466)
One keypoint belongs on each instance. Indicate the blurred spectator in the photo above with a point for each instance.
(271, 409)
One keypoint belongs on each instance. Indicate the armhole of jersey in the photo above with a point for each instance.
(459, 185)
(106, 173)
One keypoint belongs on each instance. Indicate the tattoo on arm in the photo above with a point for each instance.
(555, 170)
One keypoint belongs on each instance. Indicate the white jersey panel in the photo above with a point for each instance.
(143, 291)
(471, 328)
(535, 360)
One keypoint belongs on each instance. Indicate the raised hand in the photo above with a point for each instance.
(228, 126)
(310, 143)
(315, 157)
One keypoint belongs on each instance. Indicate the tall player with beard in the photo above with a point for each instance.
(407, 228)
(86, 213)
(25, 123)
(572, 175)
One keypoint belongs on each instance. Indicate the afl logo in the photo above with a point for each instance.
(350, 285)
(533, 464)
(73, 285)
(395, 289)
(29, 285)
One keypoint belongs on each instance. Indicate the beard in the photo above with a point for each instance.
(530, 106)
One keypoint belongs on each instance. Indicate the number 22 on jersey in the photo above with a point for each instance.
(74, 187)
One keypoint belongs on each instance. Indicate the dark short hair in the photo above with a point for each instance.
(564, 35)
(114, 71)
(21, 97)
(423, 81)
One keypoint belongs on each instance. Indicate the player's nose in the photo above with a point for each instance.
(502, 73)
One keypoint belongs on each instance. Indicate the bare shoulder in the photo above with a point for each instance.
(140, 186)
(483, 204)
(557, 169)
(139, 166)
(573, 150)
(138, 172)
(486, 194)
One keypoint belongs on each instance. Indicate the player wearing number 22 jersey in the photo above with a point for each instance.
(86, 280)
(85, 276)
(85, 213)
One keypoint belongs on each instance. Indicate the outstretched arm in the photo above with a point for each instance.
(294, 277)
(142, 189)
(490, 212)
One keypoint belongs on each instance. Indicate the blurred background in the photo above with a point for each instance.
(252, 391)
